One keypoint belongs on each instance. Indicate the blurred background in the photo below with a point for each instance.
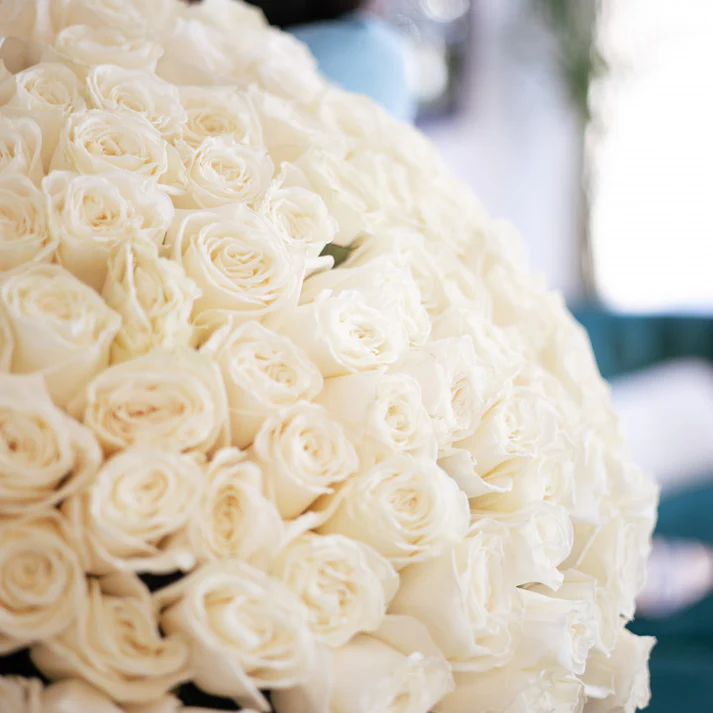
(589, 125)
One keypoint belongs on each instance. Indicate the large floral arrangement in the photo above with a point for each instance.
(285, 421)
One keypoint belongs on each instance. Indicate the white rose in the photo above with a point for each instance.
(115, 644)
(512, 690)
(298, 214)
(383, 414)
(154, 297)
(464, 597)
(247, 631)
(47, 93)
(616, 555)
(522, 426)
(443, 282)
(98, 141)
(218, 111)
(62, 328)
(448, 211)
(7, 343)
(195, 53)
(18, 19)
(21, 147)
(407, 509)
(42, 585)
(173, 400)
(397, 669)
(345, 585)
(115, 88)
(288, 130)
(76, 695)
(303, 453)
(348, 191)
(89, 216)
(83, 47)
(24, 235)
(239, 263)
(556, 633)
(128, 15)
(388, 287)
(452, 383)
(541, 538)
(45, 455)
(342, 333)
(21, 695)
(262, 372)
(222, 171)
(280, 63)
(577, 586)
(137, 500)
(234, 519)
(619, 683)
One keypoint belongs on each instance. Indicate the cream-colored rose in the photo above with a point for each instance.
(222, 171)
(82, 47)
(464, 597)
(98, 141)
(42, 586)
(514, 691)
(407, 509)
(154, 297)
(21, 695)
(342, 333)
(387, 285)
(173, 400)
(76, 695)
(62, 328)
(615, 554)
(247, 630)
(7, 343)
(47, 93)
(21, 147)
(262, 372)
(619, 683)
(116, 88)
(298, 214)
(577, 586)
(218, 111)
(442, 280)
(452, 384)
(304, 453)
(234, 519)
(280, 63)
(115, 644)
(383, 413)
(397, 669)
(18, 19)
(130, 15)
(238, 261)
(345, 585)
(350, 195)
(44, 455)
(219, 13)
(89, 216)
(24, 235)
(556, 633)
(137, 500)
(541, 538)
(195, 53)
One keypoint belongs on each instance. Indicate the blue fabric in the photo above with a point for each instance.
(363, 55)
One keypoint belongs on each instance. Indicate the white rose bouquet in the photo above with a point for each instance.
(285, 422)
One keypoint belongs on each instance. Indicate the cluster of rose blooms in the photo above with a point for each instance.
(391, 486)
